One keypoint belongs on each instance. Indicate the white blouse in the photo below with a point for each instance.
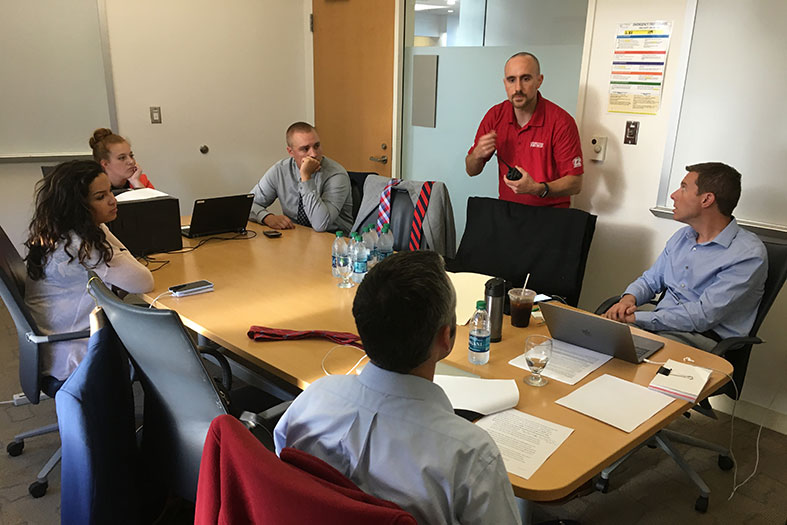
(59, 302)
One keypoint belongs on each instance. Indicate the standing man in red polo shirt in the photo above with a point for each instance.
(533, 135)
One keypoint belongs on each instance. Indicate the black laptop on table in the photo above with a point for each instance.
(597, 333)
(219, 215)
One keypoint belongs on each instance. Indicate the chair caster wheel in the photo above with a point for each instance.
(38, 488)
(602, 485)
(15, 448)
(702, 504)
(725, 462)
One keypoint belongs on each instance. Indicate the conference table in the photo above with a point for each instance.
(287, 283)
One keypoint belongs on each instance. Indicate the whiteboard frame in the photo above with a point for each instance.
(662, 208)
(103, 34)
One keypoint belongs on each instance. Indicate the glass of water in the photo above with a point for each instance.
(344, 266)
(538, 350)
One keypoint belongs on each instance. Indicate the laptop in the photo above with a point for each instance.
(219, 215)
(597, 333)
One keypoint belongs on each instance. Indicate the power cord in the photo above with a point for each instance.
(735, 484)
(159, 296)
(351, 370)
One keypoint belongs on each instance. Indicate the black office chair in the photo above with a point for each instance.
(12, 291)
(511, 240)
(357, 179)
(737, 351)
(181, 399)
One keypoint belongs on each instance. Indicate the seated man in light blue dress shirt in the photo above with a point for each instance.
(712, 271)
(391, 430)
(312, 189)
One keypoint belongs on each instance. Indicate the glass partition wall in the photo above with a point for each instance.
(454, 52)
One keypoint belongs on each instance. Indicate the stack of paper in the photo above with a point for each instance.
(525, 441)
(569, 363)
(683, 382)
(617, 402)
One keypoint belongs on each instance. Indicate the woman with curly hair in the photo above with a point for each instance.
(114, 154)
(67, 237)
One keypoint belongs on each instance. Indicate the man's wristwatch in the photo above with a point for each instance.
(545, 192)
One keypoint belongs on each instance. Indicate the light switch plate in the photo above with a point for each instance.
(598, 148)
(155, 114)
(632, 132)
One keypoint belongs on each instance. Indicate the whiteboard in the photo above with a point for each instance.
(53, 84)
(733, 108)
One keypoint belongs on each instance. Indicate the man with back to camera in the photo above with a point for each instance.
(713, 271)
(313, 190)
(534, 136)
(391, 430)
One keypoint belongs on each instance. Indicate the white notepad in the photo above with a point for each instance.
(485, 396)
(614, 401)
(684, 381)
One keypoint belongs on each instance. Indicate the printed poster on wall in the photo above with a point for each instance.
(637, 77)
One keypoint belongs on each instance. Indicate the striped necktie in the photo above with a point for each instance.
(384, 210)
(418, 215)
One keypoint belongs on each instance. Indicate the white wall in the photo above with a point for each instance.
(621, 189)
(230, 75)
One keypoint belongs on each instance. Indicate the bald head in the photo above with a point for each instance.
(525, 54)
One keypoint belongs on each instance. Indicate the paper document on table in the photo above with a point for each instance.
(569, 363)
(140, 194)
(470, 287)
(485, 396)
(622, 404)
(525, 441)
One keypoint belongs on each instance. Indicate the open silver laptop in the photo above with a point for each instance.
(597, 333)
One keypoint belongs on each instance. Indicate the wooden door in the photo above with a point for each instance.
(353, 81)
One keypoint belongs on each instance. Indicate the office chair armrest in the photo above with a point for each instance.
(54, 338)
(607, 304)
(263, 423)
(734, 343)
(226, 371)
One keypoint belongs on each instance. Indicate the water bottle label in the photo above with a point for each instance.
(479, 343)
(359, 267)
(333, 261)
(383, 255)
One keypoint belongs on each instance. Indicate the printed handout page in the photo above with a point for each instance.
(485, 396)
(617, 402)
(525, 441)
(569, 363)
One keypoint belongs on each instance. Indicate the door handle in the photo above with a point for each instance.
(383, 159)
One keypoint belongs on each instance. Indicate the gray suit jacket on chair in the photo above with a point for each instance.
(439, 232)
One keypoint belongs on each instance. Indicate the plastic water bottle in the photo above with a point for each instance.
(339, 249)
(360, 258)
(370, 240)
(478, 347)
(385, 243)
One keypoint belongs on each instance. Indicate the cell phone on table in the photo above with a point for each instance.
(271, 234)
(194, 287)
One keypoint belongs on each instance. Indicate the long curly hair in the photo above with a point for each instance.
(62, 208)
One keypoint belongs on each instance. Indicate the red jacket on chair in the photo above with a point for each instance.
(241, 481)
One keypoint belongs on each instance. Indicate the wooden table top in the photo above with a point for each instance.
(287, 283)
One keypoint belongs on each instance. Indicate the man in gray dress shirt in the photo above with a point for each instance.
(391, 429)
(313, 190)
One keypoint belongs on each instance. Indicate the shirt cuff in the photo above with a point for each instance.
(647, 320)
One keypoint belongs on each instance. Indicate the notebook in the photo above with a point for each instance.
(597, 333)
(219, 215)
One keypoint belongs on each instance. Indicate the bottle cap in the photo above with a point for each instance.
(480, 305)
(340, 233)
(386, 228)
(495, 287)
